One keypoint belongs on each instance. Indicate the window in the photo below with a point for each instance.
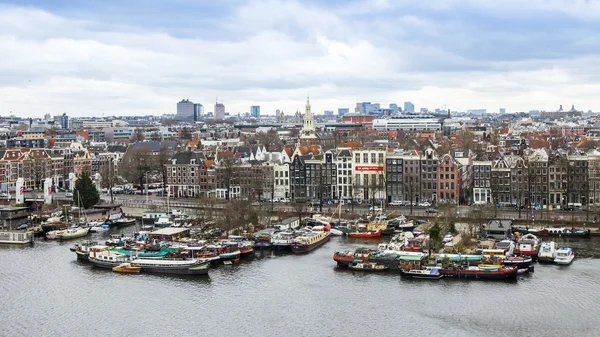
(357, 158)
(365, 158)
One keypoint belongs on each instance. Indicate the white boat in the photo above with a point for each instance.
(431, 273)
(151, 217)
(74, 233)
(54, 235)
(107, 259)
(283, 239)
(99, 228)
(507, 245)
(547, 252)
(336, 232)
(16, 237)
(448, 238)
(163, 222)
(564, 256)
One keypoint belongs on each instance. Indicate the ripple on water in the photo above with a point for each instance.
(45, 292)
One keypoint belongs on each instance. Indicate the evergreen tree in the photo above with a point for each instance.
(85, 193)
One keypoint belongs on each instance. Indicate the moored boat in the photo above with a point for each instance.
(122, 222)
(175, 267)
(107, 259)
(347, 257)
(99, 228)
(477, 273)
(74, 233)
(429, 273)
(528, 244)
(283, 240)
(16, 237)
(564, 232)
(365, 234)
(310, 241)
(368, 266)
(517, 261)
(564, 256)
(126, 268)
(547, 252)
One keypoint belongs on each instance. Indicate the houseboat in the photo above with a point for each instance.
(16, 237)
(480, 273)
(565, 232)
(310, 241)
(345, 258)
(429, 273)
(174, 267)
(368, 266)
(152, 217)
(283, 240)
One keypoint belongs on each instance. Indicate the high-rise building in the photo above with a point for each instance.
(502, 111)
(219, 111)
(278, 115)
(64, 121)
(198, 111)
(394, 107)
(328, 113)
(409, 107)
(424, 110)
(343, 111)
(255, 111)
(185, 111)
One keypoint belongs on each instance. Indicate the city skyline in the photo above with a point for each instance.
(88, 59)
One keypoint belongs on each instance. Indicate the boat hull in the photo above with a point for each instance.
(423, 276)
(505, 274)
(365, 235)
(104, 264)
(520, 264)
(545, 259)
(298, 248)
(200, 269)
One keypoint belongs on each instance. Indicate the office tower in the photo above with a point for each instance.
(394, 107)
(255, 111)
(198, 111)
(219, 111)
(64, 121)
(502, 111)
(328, 113)
(409, 107)
(343, 111)
(185, 111)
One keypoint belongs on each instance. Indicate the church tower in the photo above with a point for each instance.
(308, 128)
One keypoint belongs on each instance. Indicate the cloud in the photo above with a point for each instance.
(110, 58)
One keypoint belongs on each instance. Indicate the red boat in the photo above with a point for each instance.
(246, 248)
(414, 246)
(504, 273)
(365, 235)
(348, 257)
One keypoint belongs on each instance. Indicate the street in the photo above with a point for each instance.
(463, 211)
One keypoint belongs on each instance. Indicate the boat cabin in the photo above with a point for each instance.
(12, 217)
(408, 262)
(498, 229)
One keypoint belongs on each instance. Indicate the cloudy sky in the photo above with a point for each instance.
(114, 57)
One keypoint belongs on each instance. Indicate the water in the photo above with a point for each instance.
(44, 291)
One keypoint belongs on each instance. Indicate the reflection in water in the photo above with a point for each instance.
(46, 292)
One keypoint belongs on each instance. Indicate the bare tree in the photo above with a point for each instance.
(162, 159)
(156, 136)
(138, 135)
(299, 209)
(270, 140)
(467, 139)
(140, 163)
(411, 185)
(228, 166)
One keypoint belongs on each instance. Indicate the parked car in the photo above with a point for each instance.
(23, 226)
(285, 200)
(425, 204)
(396, 203)
(315, 203)
(3, 195)
(431, 210)
(373, 209)
(68, 195)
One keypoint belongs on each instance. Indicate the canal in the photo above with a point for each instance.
(44, 291)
